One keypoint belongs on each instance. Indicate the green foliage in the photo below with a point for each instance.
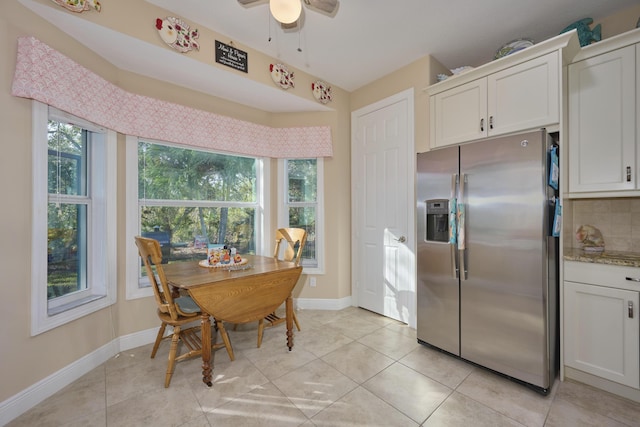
(174, 181)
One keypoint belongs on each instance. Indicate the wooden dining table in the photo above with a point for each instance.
(242, 294)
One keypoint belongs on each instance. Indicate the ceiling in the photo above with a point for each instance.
(365, 40)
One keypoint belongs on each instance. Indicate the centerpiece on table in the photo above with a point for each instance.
(221, 256)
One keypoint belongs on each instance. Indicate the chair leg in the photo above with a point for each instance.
(260, 331)
(295, 320)
(158, 339)
(225, 339)
(172, 355)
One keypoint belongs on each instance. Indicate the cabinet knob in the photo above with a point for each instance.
(481, 125)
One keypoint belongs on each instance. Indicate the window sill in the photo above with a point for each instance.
(71, 305)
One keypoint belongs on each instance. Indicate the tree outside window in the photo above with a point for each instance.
(189, 198)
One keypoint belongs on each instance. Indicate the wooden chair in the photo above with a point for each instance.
(174, 310)
(291, 236)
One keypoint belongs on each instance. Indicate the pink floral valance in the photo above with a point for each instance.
(48, 76)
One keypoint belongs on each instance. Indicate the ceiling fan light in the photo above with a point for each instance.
(285, 11)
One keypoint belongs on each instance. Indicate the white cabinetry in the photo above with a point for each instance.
(520, 97)
(524, 96)
(515, 93)
(459, 114)
(601, 326)
(602, 122)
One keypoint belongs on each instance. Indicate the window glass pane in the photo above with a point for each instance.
(302, 179)
(305, 217)
(66, 267)
(66, 160)
(175, 173)
(184, 232)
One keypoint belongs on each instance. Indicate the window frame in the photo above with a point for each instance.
(137, 286)
(101, 203)
(283, 210)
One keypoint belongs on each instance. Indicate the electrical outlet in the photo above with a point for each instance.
(312, 282)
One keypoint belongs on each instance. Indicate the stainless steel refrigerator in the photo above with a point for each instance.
(486, 258)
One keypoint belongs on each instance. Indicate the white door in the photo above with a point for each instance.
(383, 171)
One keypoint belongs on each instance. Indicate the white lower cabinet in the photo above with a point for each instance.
(601, 326)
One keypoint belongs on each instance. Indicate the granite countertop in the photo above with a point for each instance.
(624, 259)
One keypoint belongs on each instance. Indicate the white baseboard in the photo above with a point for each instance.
(20, 403)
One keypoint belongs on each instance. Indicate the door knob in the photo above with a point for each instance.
(401, 239)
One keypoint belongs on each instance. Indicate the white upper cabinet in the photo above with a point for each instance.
(459, 114)
(521, 97)
(602, 122)
(515, 93)
(525, 96)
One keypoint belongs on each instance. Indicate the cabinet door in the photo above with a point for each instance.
(602, 116)
(525, 96)
(601, 332)
(459, 114)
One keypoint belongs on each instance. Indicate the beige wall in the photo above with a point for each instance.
(417, 75)
(25, 360)
(620, 22)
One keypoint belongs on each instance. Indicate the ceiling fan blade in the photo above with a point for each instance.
(250, 3)
(328, 7)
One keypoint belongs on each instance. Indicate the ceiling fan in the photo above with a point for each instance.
(289, 13)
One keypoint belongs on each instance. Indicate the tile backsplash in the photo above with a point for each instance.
(617, 219)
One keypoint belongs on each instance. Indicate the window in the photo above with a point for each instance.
(301, 200)
(187, 198)
(74, 193)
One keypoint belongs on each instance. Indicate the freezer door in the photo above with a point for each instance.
(504, 293)
(438, 294)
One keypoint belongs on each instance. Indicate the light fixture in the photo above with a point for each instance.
(285, 11)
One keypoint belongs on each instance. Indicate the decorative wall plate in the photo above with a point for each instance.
(175, 33)
(79, 5)
(321, 91)
(281, 75)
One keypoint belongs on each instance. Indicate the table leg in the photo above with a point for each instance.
(206, 348)
(289, 316)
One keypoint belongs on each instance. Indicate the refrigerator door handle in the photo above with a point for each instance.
(453, 232)
(462, 249)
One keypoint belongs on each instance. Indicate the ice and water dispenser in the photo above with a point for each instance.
(438, 220)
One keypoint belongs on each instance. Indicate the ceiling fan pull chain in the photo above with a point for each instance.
(269, 18)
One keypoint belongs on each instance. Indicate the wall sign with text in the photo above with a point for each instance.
(231, 57)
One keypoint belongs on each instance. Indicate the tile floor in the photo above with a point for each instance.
(347, 368)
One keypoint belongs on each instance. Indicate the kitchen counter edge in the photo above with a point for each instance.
(620, 258)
